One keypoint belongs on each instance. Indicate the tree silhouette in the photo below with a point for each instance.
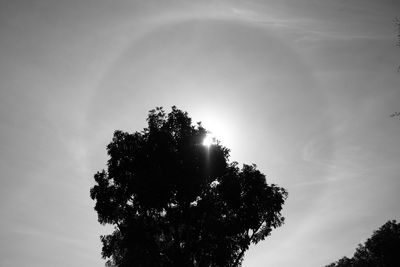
(176, 202)
(380, 250)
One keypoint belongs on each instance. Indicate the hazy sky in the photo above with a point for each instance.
(302, 88)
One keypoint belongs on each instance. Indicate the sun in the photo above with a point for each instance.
(220, 124)
(208, 140)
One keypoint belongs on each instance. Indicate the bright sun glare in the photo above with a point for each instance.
(208, 140)
(220, 125)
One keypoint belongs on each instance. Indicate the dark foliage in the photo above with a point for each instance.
(175, 202)
(382, 249)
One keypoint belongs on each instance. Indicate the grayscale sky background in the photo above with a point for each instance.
(302, 88)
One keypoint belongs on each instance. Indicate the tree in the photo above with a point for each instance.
(175, 202)
(380, 250)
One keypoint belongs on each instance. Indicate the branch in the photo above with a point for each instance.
(119, 227)
(243, 249)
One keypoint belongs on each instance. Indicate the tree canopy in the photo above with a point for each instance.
(175, 202)
(382, 249)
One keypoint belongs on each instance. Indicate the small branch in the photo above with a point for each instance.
(235, 264)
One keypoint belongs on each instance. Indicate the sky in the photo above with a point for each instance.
(302, 88)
